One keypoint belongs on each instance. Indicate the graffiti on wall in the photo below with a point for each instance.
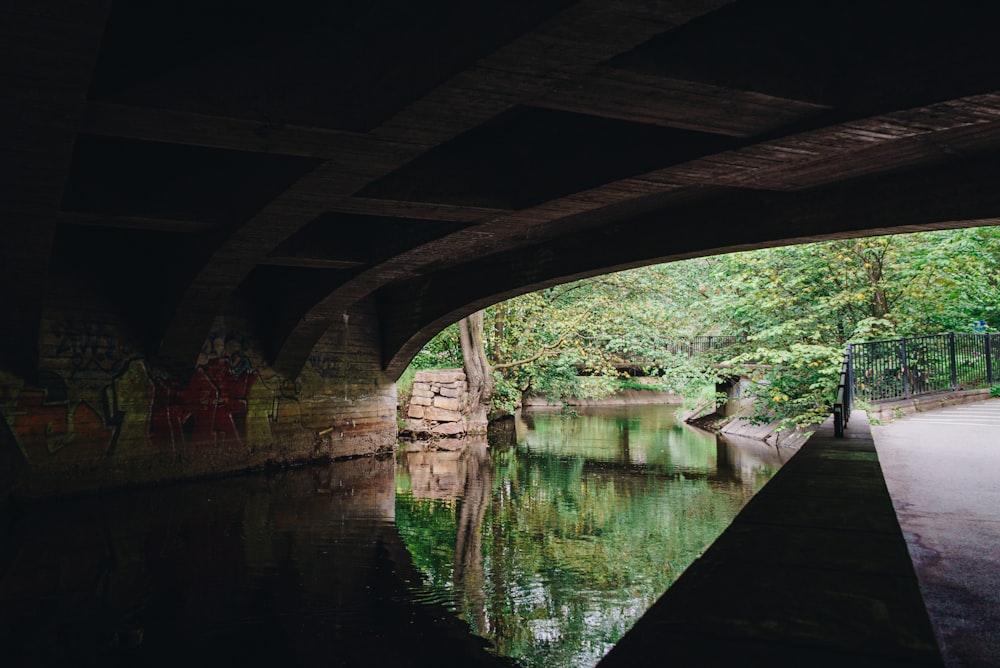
(44, 422)
(230, 400)
(326, 365)
(226, 401)
(92, 350)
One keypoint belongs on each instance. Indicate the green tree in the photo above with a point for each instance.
(797, 307)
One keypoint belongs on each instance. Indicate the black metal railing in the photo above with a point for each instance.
(845, 398)
(903, 368)
(697, 345)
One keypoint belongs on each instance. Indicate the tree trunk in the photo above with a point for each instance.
(477, 371)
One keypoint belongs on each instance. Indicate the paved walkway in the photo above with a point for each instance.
(942, 469)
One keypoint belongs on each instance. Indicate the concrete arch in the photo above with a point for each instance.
(947, 195)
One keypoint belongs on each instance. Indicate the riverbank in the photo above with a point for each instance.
(708, 418)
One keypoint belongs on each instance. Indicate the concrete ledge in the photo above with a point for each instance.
(741, 426)
(887, 411)
(813, 572)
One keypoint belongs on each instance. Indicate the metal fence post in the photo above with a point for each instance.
(989, 360)
(954, 365)
(849, 399)
(902, 368)
(841, 404)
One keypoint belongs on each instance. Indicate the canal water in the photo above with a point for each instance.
(551, 548)
(539, 552)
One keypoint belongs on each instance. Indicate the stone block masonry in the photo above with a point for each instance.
(438, 405)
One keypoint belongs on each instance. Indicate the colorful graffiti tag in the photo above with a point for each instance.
(226, 402)
(220, 404)
(44, 428)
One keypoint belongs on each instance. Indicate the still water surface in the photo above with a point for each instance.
(553, 547)
(548, 548)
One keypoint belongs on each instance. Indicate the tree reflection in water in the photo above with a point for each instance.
(469, 576)
(552, 547)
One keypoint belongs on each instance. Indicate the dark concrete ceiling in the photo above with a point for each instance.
(302, 156)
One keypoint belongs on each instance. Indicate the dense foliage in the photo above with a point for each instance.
(796, 307)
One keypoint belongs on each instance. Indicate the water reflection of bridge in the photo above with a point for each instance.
(303, 567)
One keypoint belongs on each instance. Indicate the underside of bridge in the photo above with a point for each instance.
(229, 226)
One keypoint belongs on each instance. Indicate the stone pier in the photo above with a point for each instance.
(439, 405)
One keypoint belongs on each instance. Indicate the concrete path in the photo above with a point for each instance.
(942, 469)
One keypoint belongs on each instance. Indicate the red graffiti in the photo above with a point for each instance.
(210, 409)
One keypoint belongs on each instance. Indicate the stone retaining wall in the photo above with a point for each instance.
(438, 405)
